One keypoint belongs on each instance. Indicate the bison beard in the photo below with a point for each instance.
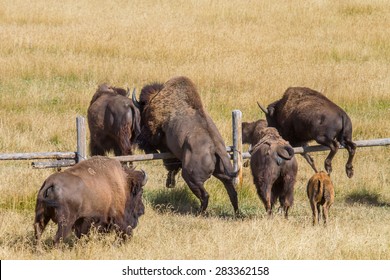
(174, 120)
(97, 191)
(303, 114)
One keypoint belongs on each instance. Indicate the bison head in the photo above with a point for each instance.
(147, 93)
(134, 206)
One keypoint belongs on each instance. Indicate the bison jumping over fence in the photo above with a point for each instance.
(174, 120)
(113, 120)
(273, 165)
(97, 191)
(303, 114)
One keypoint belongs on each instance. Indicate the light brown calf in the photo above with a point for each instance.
(320, 191)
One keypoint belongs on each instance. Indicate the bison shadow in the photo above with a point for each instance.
(366, 197)
(178, 200)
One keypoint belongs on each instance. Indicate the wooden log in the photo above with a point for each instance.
(45, 155)
(359, 144)
(237, 146)
(53, 164)
(320, 148)
(81, 139)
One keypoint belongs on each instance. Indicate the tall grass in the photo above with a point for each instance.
(53, 55)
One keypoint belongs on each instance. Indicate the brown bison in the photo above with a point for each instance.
(96, 191)
(174, 120)
(303, 114)
(113, 120)
(273, 165)
(320, 192)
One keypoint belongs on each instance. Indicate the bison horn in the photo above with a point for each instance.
(134, 98)
(127, 92)
(262, 108)
(145, 180)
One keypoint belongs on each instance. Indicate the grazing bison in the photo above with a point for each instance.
(113, 120)
(273, 165)
(98, 190)
(320, 192)
(303, 114)
(174, 120)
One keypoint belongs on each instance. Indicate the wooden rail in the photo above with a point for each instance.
(64, 159)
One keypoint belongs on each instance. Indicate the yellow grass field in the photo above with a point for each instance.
(53, 55)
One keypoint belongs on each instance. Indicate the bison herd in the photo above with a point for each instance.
(170, 117)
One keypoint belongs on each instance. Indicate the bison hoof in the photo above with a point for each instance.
(171, 182)
(349, 171)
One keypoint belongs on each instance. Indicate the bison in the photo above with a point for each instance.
(96, 191)
(303, 114)
(273, 165)
(113, 120)
(174, 120)
(320, 191)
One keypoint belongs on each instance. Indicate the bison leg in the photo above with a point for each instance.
(65, 225)
(40, 225)
(351, 148)
(310, 160)
(229, 186)
(287, 198)
(325, 211)
(264, 193)
(333, 146)
(198, 190)
(313, 205)
(95, 149)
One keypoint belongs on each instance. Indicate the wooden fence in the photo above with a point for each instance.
(64, 159)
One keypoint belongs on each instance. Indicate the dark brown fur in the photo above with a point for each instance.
(320, 191)
(274, 168)
(114, 122)
(95, 191)
(174, 120)
(303, 114)
(251, 131)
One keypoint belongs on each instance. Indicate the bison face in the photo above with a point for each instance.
(135, 207)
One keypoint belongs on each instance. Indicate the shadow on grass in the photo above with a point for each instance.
(366, 197)
(177, 200)
(180, 200)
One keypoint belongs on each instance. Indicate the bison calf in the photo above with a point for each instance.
(273, 165)
(95, 191)
(320, 192)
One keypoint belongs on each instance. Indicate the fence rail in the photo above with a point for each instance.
(64, 159)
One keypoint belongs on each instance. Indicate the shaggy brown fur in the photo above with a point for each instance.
(113, 120)
(175, 120)
(303, 114)
(251, 131)
(98, 190)
(274, 169)
(320, 191)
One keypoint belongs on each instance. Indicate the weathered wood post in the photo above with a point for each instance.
(237, 146)
(81, 139)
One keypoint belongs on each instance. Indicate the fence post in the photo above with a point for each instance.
(237, 146)
(81, 139)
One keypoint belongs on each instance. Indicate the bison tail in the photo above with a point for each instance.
(285, 152)
(47, 196)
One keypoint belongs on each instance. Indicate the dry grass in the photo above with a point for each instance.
(53, 55)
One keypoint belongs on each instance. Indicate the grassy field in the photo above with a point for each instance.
(54, 54)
